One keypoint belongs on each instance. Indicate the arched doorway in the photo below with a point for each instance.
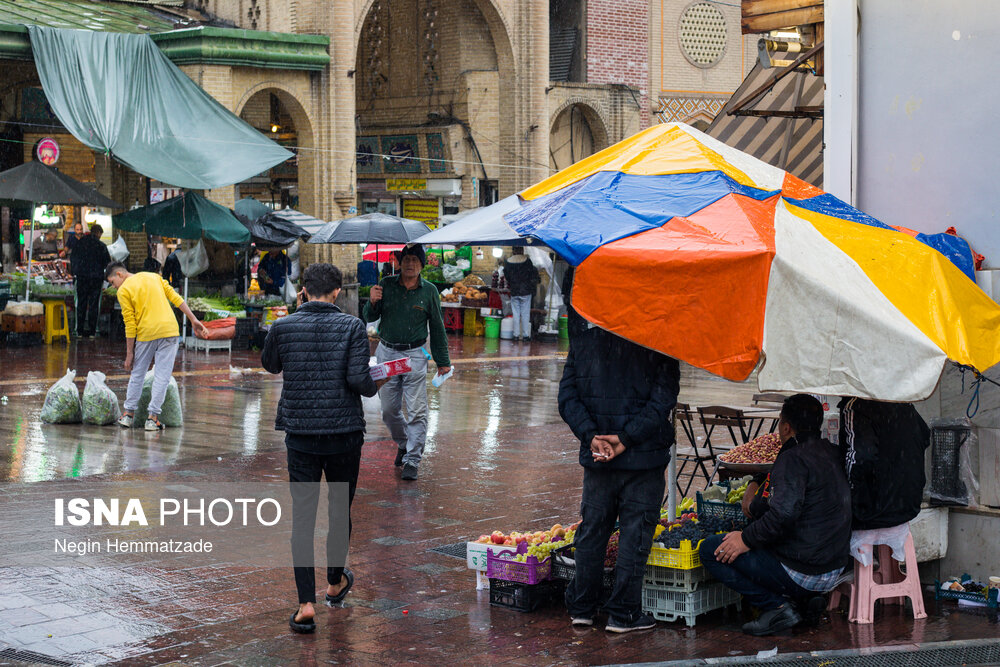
(276, 113)
(577, 132)
(435, 106)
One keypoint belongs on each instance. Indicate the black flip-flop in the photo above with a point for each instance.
(339, 597)
(301, 628)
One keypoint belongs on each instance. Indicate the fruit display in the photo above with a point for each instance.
(761, 450)
(733, 493)
(540, 543)
(474, 281)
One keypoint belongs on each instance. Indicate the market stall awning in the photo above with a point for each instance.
(187, 216)
(118, 94)
(688, 246)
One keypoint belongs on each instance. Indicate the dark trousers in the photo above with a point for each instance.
(633, 497)
(757, 574)
(311, 467)
(88, 295)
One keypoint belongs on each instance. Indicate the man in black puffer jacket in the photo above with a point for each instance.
(618, 398)
(796, 550)
(323, 354)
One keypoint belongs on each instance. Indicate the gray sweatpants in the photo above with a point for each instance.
(409, 432)
(160, 353)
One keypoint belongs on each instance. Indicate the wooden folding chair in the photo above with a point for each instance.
(725, 419)
(689, 453)
(778, 399)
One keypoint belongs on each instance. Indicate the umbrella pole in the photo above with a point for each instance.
(27, 280)
(672, 483)
(184, 324)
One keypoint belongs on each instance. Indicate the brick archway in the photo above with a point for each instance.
(305, 140)
(511, 118)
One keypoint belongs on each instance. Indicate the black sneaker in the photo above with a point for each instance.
(774, 620)
(399, 457)
(642, 622)
(409, 472)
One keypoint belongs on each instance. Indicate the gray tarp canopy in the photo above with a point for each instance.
(119, 94)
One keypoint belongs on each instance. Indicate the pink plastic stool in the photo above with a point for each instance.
(886, 582)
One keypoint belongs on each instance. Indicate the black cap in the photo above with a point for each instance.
(417, 251)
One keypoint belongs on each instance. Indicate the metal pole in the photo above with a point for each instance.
(184, 324)
(27, 280)
(672, 483)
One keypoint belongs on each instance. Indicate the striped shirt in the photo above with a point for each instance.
(822, 583)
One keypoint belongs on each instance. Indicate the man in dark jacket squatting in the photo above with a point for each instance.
(618, 399)
(797, 545)
(323, 354)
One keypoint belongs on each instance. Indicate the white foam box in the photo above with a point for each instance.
(475, 554)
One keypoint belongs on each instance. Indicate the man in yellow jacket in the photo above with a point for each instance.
(151, 335)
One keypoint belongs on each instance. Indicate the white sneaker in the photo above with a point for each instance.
(582, 621)
(153, 424)
(125, 421)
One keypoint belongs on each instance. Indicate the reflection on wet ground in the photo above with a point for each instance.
(498, 457)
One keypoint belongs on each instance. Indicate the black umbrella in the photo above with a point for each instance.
(371, 228)
(272, 229)
(37, 183)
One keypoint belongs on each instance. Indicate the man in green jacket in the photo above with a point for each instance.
(408, 306)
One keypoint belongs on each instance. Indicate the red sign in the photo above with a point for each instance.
(47, 151)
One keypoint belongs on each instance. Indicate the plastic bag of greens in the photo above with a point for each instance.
(170, 411)
(100, 405)
(62, 402)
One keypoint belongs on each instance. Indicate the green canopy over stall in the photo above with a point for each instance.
(186, 216)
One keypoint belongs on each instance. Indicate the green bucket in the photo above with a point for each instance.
(492, 326)
(564, 328)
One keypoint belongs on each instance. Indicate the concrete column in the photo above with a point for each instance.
(840, 101)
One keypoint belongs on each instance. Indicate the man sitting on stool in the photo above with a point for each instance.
(795, 551)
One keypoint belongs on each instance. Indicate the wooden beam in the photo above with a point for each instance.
(767, 113)
(758, 7)
(820, 34)
(778, 20)
(775, 78)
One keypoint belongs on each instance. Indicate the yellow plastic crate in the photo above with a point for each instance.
(684, 558)
(473, 325)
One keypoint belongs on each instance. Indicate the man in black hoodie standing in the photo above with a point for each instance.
(618, 398)
(796, 549)
(323, 355)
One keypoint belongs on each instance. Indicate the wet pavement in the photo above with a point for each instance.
(498, 457)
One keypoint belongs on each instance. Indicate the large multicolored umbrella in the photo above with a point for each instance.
(693, 248)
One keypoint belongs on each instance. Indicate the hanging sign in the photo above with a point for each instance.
(47, 151)
(405, 184)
